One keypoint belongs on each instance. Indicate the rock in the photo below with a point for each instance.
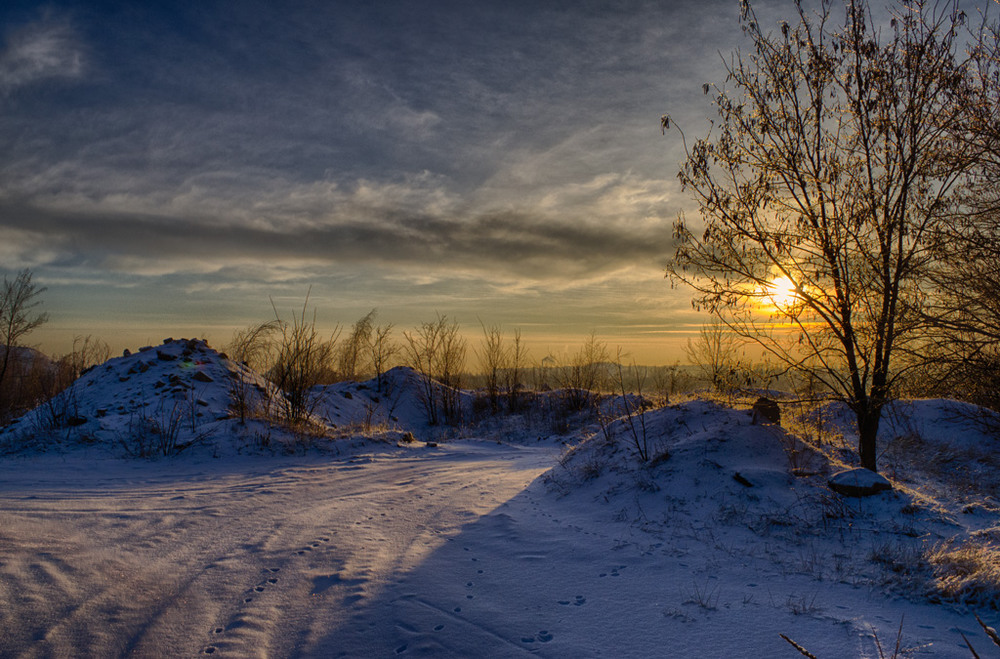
(75, 421)
(858, 483)
(202, 376)
(765, 410)
(165, 356)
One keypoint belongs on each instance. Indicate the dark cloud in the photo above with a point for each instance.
(509, 243)
(511, 145)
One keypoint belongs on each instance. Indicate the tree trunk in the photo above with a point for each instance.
(868, 422)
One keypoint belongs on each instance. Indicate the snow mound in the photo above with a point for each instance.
(166, 399)
(697, 449)
(395, 401)
(181, 387)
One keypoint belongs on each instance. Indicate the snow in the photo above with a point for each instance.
(859, 482)
(504, 539)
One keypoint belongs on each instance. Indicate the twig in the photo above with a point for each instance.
(798, 647)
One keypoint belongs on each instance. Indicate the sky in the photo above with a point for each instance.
(173, 168)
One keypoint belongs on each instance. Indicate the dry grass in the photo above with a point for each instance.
(967, 573)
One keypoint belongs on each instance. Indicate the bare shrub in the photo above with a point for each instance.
(493, 360)
(517, 357)
(41, 383)
(670, 380)
(714, 353)
(382, 350)
(159, 435)
(253, 347)
(634, 411)
(88, 352)
(437, 351)
(303, 359)
(585, 375)
(354, 354)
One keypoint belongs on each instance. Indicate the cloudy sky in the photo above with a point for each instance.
(169, 168)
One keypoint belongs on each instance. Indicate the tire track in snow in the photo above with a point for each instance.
(144, 567)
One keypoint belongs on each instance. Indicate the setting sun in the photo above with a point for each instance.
(781, 294)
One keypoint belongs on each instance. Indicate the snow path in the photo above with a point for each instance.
(270, 561)
(450, 551)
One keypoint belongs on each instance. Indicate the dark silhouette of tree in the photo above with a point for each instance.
(19, 300)
(830, 168)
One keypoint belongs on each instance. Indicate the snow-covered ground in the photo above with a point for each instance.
(369, 546)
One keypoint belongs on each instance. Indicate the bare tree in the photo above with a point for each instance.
(714, 353)
(19, 300)
(517, 356)
(493, 357)
(833, 162)
(585, 375)
(437, 352)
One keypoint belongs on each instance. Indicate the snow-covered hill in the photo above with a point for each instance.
(184, 395)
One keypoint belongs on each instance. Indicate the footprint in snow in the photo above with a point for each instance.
(401, 649)
(439, 628)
